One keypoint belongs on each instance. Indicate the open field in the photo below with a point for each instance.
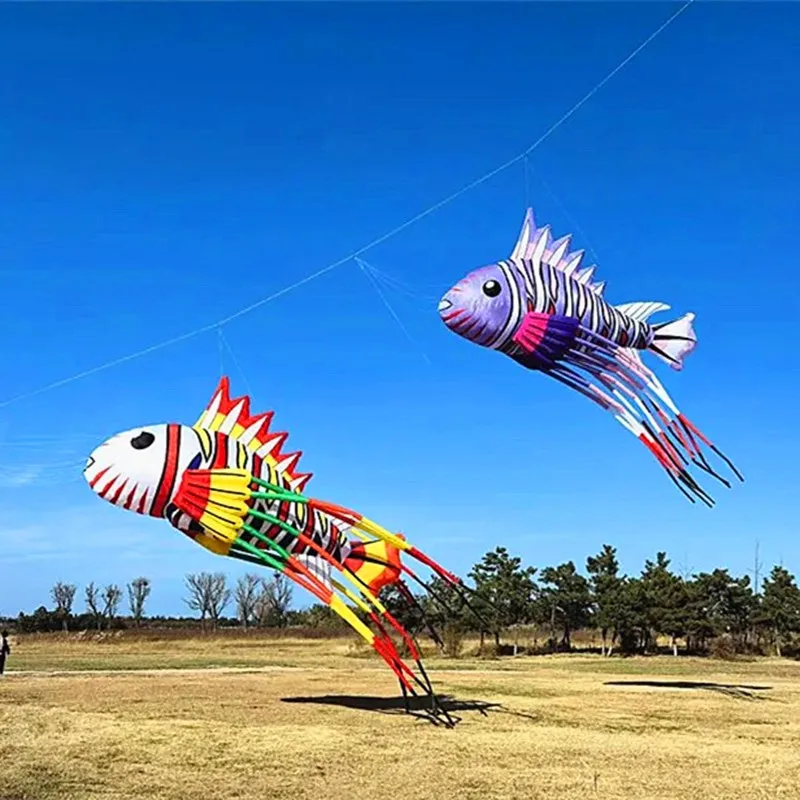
(254, 718)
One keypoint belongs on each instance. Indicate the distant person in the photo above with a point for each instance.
(5, 649)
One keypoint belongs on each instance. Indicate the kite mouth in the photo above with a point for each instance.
(444, 305)
(89, 463)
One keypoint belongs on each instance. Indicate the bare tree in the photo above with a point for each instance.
(92, 594)
(262, 610)
(274, 601)
(138, 592)
(63, 595)
(198, 596)
(246, 596)
(208, 594)
(111, 597)
(219, 597)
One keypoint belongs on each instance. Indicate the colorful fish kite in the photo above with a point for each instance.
(226, 483)
(541, 308)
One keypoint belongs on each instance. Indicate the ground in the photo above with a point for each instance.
(219, 719)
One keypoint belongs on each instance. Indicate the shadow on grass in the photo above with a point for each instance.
(729, 689)
(419, 707)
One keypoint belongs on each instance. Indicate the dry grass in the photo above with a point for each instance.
(173, 729)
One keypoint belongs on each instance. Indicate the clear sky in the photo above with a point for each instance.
(162, 166)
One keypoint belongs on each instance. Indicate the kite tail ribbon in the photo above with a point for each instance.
(227, 500)
(616, 379)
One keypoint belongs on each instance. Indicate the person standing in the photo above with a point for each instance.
(5, 649)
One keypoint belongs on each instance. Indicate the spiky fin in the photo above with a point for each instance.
(232, 416)
(537, 245)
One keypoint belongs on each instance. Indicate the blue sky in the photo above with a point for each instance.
(164, 165)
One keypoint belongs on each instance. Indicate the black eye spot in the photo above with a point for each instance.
(492, 288)
(143, 440)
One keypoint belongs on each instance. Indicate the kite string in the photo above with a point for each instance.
(224, 340)
(565, 211)
(367, 270)
(526, 167)
(374, 243)
(398, 285)
(221, 349)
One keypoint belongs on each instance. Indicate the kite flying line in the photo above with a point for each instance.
(370, 245)
(368, 270)
(224, 340)
(572, 221)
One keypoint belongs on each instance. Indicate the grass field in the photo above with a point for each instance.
(254, 718)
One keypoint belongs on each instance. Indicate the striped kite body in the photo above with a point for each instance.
(543, 310)
(227, 484)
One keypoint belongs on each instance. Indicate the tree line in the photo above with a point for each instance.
(544, 608)
(707, 612)
(258, 601)
(102, 607)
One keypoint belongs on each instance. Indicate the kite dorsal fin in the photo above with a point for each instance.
(641, 311)
(521, 248)
(598, 287)
(536, 245)
(584, 276)
(232, 417)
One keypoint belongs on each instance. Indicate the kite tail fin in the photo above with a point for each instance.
(375, 563)
(674, 340)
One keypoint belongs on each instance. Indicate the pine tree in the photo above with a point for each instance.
(665, 602)
(780, 606)
(606, 591)
(566, 594)
(509, 590)
(719, 604)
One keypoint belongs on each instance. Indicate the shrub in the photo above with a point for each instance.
(453, 639)
(722, 647)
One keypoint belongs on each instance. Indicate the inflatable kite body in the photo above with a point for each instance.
(543, 310)
(226, 484)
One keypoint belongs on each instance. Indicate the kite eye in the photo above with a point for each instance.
(143, 440)
(492, 288)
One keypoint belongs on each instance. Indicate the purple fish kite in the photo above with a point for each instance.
(543, 310)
